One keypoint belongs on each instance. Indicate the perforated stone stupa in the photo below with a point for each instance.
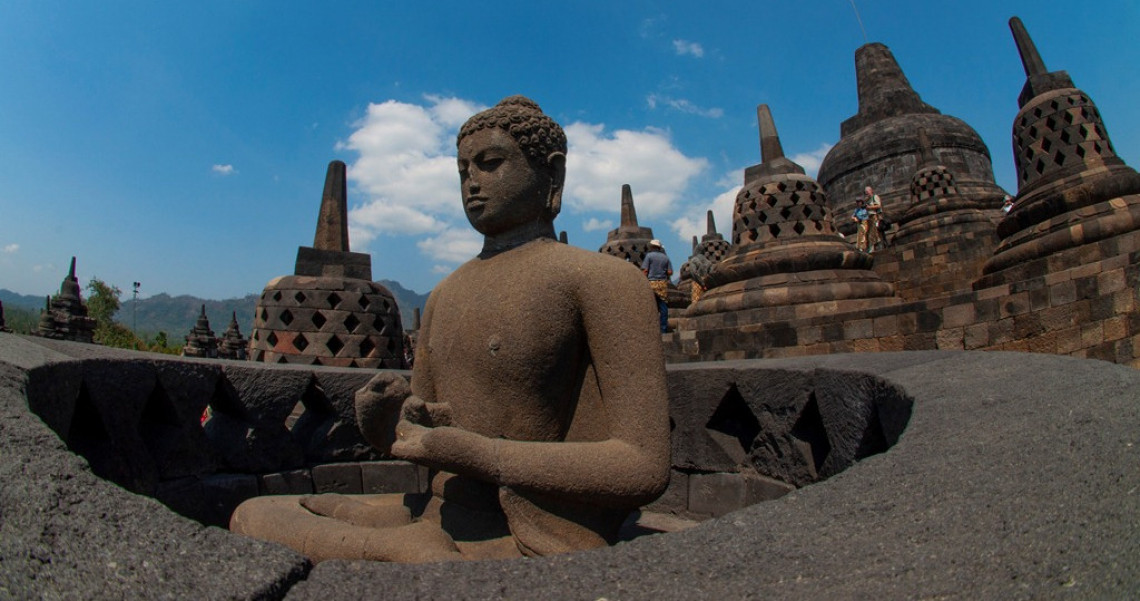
(65, 315)
(329, 312)
(786, 259)
(878, 146)
(629, 241)
(1073, 190)
(943, 239)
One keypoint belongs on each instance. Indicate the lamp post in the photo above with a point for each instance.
(135, 310)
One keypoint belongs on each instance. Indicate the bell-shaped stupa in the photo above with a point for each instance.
(1073, 190)
(232, 345)
(785, 251)
(329, 312)
(65, 316)
(629, 241)
(878, 146)
(201, 341)
(944, 237)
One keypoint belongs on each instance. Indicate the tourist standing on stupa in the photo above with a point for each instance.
(861, 217)
(874, 213)
(658, 269)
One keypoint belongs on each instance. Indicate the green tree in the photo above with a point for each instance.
(102, 304)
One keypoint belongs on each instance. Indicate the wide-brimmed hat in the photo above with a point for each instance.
(655, 243)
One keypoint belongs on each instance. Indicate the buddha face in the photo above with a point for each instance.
(501, 189)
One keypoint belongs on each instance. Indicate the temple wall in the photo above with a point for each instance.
(1081, 302)
(738, 436)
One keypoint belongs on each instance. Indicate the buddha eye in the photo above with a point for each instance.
(490, 163)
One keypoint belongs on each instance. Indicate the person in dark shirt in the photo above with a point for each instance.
(658, 269)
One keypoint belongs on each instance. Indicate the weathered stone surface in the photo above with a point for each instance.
(69, 534)
(982, 454)
(878, 146)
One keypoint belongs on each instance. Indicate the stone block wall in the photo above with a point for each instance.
(739, 436)
(1083, 303)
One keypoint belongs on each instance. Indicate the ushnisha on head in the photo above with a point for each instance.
(537, 135)
(512, 166)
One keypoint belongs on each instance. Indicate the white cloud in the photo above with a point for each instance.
(452, 245)
(38, 268)
(224, 169)
(695, 222)
(684, 47)
(599, 163)
(406, 167)
(683, 105)
(811, 161)
(594, 224)
(406, 176)
(11, 248)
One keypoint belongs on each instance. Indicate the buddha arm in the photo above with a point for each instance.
(630, 467)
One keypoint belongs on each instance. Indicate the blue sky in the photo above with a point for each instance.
(184, 145)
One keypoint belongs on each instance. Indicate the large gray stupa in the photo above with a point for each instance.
(329, 312)
(878, 146)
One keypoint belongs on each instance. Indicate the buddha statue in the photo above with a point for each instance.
(538, 394)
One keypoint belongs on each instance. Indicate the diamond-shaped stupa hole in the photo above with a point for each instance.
(1097, 147)
(364, 302)
(1051, 123)
(786, 212)
(301, 343)
(318, 319)
(264, 315)
(351, 322)
(733, 426)
(282, 359)
(1084, 132)
(334, 345)
(1040, 166)
(794, 197)
(1059, 158)
(1068, 117)
(1046, 144)
(256, 335)
(271, 339)
(1065, 138)
(333, 300)
(366, 347)
(1054, 105)
(300, 297)
(781, 186)
(286, 317)
(798, 227)
(810, 435)
(1036, 111)
(774, 230)
(771, 200)
(1081, 151)
(277, 295)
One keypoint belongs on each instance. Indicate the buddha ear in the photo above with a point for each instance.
(557, 165)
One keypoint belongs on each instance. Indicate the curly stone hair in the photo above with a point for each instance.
(537, 135)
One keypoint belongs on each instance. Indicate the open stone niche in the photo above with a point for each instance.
(979, 476)
(203, 436)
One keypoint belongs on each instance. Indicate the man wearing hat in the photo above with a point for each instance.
(658, 269)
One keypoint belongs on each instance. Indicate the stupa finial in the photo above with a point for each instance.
(1030, 58)
(770, 148)
(711, 228)
(628, 213)
(332, 223)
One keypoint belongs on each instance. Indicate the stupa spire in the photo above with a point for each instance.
(628, 212)
(772, 159)
(770, 147)
(332, 223)
(711, 228)
(1030, 58)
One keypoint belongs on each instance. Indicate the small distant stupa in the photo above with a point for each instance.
(65, 315)
(232, 344)
(201, 342)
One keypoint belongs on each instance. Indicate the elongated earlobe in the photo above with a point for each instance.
(557, 165)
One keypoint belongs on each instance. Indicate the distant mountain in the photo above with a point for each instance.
(176, 315)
